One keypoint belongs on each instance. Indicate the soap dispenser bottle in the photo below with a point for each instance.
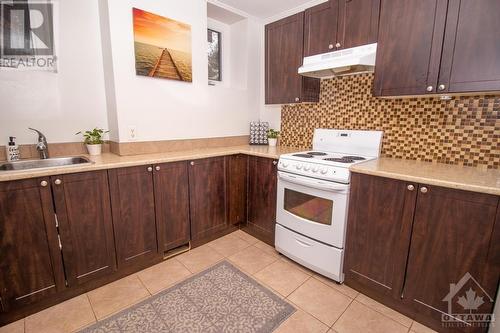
(12, 150)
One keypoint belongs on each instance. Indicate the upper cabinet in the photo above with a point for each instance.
(284, 54)
(437, 46)
(340, 24)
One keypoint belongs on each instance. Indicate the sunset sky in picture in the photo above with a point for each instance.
(161, 31)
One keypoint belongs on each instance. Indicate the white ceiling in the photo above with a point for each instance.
(264, 8)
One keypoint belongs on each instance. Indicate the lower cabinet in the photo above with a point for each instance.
(432, 253)
(134, 222)
(237, 188)
(171, 189)
(83, 211)
(30, 260)
(262, 192)
(207, 198)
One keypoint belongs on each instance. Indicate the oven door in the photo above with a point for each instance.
(312, 207)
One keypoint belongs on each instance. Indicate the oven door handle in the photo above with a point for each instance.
(312, 182)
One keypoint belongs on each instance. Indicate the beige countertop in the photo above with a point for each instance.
(438, 174)
(111, 161)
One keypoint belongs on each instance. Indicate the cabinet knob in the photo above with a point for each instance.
(157, 168)
(58, 181)
(410, 187)
(424, 190)
(330, 46)
(44, 183)
(297, 99)
(150, 169)
(191, 163)
(275, 162)
(441, 87)
(430, 88)
(337, 45)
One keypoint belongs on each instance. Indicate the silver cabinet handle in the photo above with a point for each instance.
(330, 46)
(58, 181)
(192, 163)
(44, 183)
(150, 169)
(430, 88)
(441, 87)
(337, 45)
(424, 190)
(157, 168)
(297, 99)
(410, 187)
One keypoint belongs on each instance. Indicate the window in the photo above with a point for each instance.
(214, 55)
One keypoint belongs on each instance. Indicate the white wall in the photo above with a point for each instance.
(162, 109)
(59, 104)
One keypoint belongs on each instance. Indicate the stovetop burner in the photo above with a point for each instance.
(355, 158)
(303, 155)
(339, 160)
(316, 153)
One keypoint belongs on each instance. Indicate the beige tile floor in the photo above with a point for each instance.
(322, 305)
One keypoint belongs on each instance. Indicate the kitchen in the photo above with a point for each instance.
(173, 208)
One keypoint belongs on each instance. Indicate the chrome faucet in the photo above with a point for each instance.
(41, 146)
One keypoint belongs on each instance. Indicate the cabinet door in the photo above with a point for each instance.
(30, 259)
(358, 22)
(378, 233)
(471, 48)
(172, 205)
(133, 206)
(409, 47)
(237, 188)
(284, 54)
(453, 235)
(207, 193)
(262, 192)
(84, 215)
(320, 28)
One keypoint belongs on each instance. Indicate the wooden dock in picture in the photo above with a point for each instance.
(165, 67)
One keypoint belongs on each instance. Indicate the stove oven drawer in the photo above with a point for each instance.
(323, 259)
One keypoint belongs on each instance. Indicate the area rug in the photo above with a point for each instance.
(219, 299)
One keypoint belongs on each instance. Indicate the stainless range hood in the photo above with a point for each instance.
(356, 60)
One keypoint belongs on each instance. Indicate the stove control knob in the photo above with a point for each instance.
(324, 171)
(307, 167)
(298, 166)
(315, 169)
(284, 165)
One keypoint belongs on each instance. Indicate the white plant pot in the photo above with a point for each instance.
(272, 142)
(94, 150)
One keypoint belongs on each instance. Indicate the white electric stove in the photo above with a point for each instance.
(312, 202)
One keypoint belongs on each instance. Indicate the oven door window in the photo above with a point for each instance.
(311, 208)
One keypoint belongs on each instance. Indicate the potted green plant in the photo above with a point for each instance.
(93, 140)
(272, 137)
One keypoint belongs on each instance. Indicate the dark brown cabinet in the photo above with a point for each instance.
(207, 198)
(407, 243)
(340, 24)
(133, 206)
(171, 186)
(30, 260)
(284, 43)
(262, 192)
(437, 46)
(237, 188)
(379, 230)
(83, 211)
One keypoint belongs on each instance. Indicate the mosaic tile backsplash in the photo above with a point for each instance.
(464, 130)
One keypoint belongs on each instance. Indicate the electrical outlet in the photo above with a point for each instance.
(132, 133)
